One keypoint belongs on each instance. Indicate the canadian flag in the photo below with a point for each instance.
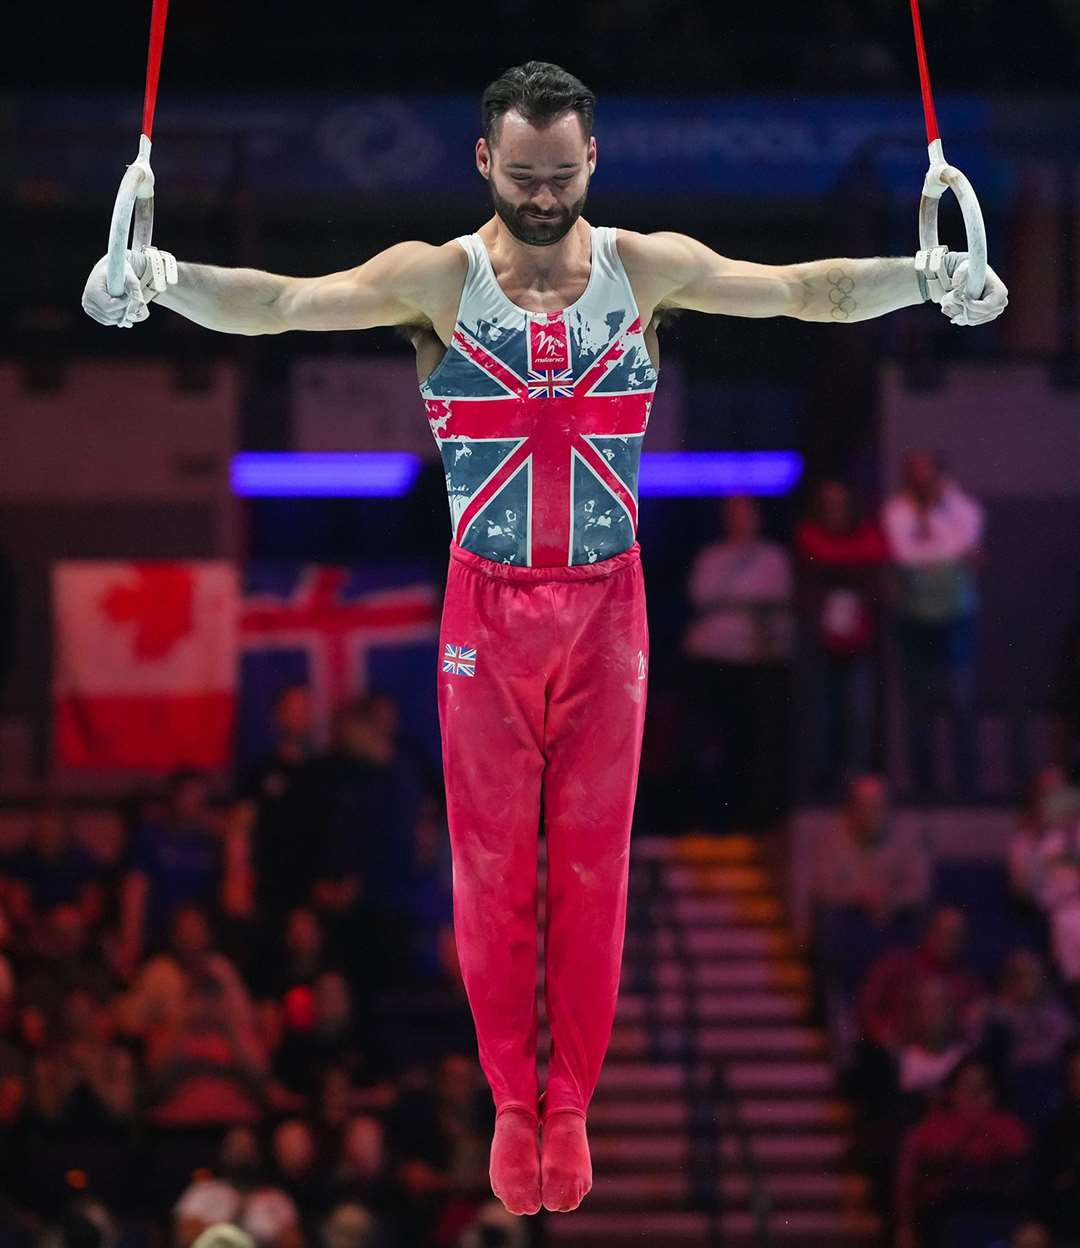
(145, 664)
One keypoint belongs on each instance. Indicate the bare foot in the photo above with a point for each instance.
(565, 1164)
(515, 1161)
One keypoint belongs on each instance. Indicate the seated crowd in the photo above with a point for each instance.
(951, 999)
(245, 1009)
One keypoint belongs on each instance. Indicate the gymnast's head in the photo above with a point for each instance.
(537, 151)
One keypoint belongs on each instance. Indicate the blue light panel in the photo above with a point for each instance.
(391, 474)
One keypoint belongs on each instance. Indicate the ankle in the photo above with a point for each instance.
(522, 1111)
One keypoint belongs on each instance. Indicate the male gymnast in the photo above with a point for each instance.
(537, 354)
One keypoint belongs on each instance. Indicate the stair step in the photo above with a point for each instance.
(791, 1115)
(722, 976)
(779, 1078)
(640, 1079)
(610, 1116)
(715, 1007)
(710, 942)
(635, 1040)
(751, 909)
(763, 1087)
(688, 850)
(648, 1153)
(693, 1230)
(799, 1191)
(809, 1228)
(708, 878)
(631, 1114)
(724, 911)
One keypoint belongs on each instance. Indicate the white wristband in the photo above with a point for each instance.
(160, 272)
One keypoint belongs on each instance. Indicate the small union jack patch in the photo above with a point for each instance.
(459, 660)
(551, 383)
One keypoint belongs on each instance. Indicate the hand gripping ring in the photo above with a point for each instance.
(135, 197)
(939, 178)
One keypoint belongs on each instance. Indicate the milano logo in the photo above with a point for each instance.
(547, 345)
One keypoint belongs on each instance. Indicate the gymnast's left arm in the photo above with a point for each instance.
(675, 271)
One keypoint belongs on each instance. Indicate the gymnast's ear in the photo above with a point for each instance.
(483, 157)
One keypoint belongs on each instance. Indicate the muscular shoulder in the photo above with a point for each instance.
(421, 270)
(427, 281)
(658, 264)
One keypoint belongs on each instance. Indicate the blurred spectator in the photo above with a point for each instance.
(439, 1134)
(1028, 1029)
(224, 1235)
(961, 1172)
(203, 1204)
(840, 559)
(494, 1226)
(1059, 1159)
(270, 823)
(360, 1175)
(892, 1087)
(1068, 702)
(241, 1159)
(935, 531)
(271, 1219)
(299, 956)
(160, 995)
(430, 901)
(298, 1168)
(82, 1103)
(887, 999)
(872, 885)
(348, 1225)
(421, 1021)
(373, 797)
(86, 1224)
(171, 863)
(57, 870)
(936, 1044)
(739, 646)
(871, 864)
(1060, 897)
(1048, 831)
(62, 960)
(204, 1051)
(13, 1068)
(320, 1030)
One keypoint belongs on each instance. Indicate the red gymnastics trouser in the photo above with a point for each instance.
(555, 706)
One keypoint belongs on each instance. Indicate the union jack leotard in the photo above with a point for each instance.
(539, 417)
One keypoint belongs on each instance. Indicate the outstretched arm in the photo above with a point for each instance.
(405, 283)
(679, 272)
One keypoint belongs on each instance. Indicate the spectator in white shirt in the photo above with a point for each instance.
(934, 532)
(739, 645)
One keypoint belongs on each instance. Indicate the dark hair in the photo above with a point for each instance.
(540, 92)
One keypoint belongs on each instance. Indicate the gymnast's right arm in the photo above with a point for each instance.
(405, 283)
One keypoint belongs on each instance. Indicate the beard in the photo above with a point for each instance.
(534, 231)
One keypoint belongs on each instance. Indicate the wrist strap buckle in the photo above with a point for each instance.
(932, 273)
(161, 270)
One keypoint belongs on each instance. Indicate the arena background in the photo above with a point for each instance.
(753, 1092)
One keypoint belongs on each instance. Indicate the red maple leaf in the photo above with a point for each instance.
(160, 602)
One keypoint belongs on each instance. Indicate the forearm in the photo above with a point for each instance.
(233, 301)
(844, 291)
